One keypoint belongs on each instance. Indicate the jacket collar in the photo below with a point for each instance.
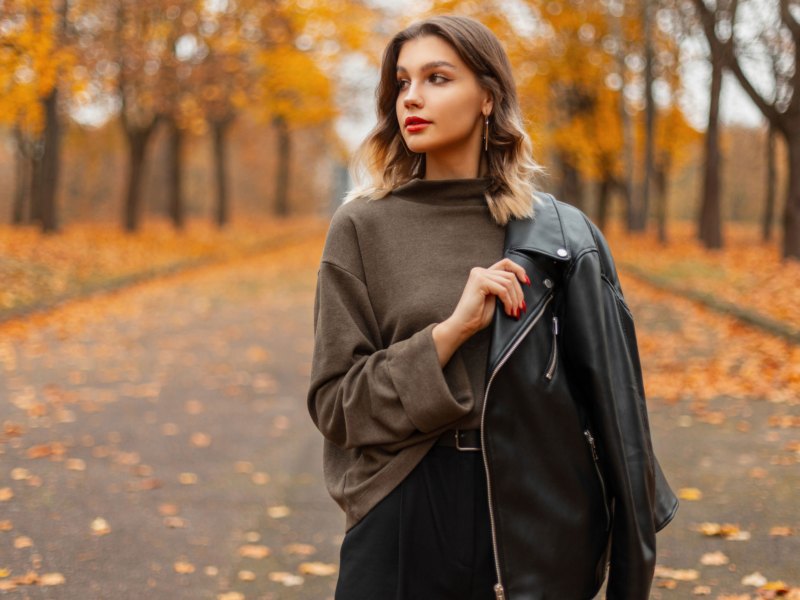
(542, 234)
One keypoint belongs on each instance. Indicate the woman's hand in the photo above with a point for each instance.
(476, 306)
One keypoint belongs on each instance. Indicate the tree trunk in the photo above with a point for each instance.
(137, 146)
(603, 194)
(791, 215)
(283, 140)
(643, 206)
(219, 131)
(626, 184)
(571, 183)
(769, 205)
(20, 212)
(50, 165)
(660, 181)
(710, 222)
(176, 211)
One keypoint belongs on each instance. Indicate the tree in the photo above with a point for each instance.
(35, 52)
(780, 104)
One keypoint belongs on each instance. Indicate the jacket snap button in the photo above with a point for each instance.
(561, 252)
(548, 283)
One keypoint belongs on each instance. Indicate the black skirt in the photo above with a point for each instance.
(430, 538)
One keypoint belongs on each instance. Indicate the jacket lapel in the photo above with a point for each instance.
(525, 239)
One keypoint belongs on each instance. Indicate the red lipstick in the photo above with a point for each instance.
(414, 124)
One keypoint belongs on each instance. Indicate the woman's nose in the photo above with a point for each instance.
(412, 97)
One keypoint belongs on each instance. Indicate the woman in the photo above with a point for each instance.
(476, 462)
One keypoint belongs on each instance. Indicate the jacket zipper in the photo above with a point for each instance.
(551, 366)
(590, 438)
(499, 590)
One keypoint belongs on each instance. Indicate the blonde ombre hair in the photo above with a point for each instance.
(383, 161)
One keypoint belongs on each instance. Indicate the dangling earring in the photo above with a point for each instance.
(486, 134)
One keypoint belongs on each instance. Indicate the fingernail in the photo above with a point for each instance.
(524, 307)
(527, 279)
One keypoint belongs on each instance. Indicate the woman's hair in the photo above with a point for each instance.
(383, 158)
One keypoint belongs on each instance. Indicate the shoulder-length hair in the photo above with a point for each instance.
(383, 161)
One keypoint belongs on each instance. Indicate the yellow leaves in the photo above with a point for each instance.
(676, 574)
(690, 494)
(715, 559)
(39, 269)
(31, 578)
(22, 541)
(183, 567)
(747, 273)
(287, 579)
(294, 87)
(6, 494)
(278, 512)
(727, 531)
(257, 551)
(187, 478)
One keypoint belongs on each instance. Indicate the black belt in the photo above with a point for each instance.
(462, 439)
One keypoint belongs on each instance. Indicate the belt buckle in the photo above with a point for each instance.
(463, 448)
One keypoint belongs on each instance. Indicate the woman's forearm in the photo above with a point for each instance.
(447, 337)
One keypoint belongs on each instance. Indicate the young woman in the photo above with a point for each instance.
(475, 372)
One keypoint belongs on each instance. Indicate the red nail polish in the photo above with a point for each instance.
(527, 279)
(524, 307)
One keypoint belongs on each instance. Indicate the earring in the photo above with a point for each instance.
(486, 134)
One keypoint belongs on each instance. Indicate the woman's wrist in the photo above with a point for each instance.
(447, 337)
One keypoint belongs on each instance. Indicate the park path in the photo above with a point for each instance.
(156, 444)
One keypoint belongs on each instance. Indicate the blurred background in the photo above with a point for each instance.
(145, 143)
(121, 111)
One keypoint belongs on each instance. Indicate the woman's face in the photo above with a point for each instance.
(435, 86)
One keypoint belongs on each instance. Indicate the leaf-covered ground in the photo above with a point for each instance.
(38, 269)
(155, 442)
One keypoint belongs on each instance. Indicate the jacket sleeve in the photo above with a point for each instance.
(360, 392)
(601, 347)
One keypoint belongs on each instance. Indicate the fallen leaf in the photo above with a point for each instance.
(714, 559)
(201, 440)
(278, 512)
(187, 478)
(260, 478)
(780, 531)
(701, 590)
(254, 551)
(301, 549)
(317, 568)
(19, 473)
(182, 566)
(246, 575)
(754, 579)
(52, 579)
(100, 526)
(76, 464)
(677, 574)
(287, 579)
(23, 541)
(690, 494)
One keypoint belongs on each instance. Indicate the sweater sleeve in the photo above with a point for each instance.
(362, 393)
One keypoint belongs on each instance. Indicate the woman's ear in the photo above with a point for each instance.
(487, 105)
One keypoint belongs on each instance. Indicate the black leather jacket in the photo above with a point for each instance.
(573, 481)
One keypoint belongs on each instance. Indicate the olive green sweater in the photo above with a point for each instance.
(391, 269)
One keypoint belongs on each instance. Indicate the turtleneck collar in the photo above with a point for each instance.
(457, 191)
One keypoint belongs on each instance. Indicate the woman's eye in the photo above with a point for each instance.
(438, 78)
(401, 83)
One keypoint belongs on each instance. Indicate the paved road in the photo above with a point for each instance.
(202, 377)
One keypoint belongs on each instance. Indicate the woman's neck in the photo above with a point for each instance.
(453, 167)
